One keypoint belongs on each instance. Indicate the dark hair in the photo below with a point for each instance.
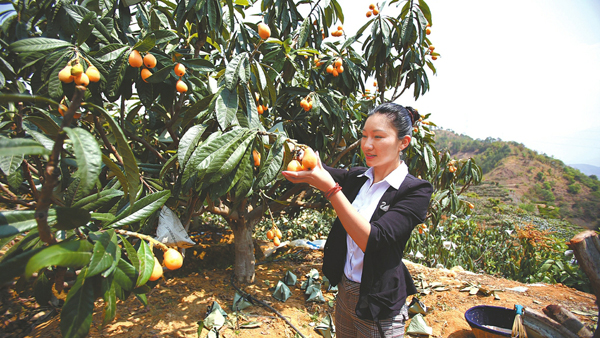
(402, 118)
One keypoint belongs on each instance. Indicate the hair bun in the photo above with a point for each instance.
(414, 115)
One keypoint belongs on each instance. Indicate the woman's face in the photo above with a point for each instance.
(380, 142)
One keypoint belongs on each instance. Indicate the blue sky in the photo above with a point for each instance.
(519, 70)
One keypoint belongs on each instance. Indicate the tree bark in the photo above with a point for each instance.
(586, 247)
(245, 262)
(538, 325)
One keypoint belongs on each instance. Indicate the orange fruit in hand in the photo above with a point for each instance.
(135, 59)
(276, 241)
(157, 271)
(270, 234)
(93, 74)
(146, 73)
(309, 160)
(65, 75)
(172, 259)
(181, 86)
(294, 165)
(149, 60)
(256, 157)
(179, 70)
(82, 80)
(264, 31)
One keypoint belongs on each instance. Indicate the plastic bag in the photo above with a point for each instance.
(170, 231)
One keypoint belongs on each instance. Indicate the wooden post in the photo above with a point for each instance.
(586, 247)
(567, 319)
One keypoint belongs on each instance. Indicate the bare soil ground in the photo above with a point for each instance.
(181, 299)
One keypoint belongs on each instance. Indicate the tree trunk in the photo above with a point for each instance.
(586, 246)
(245, 262)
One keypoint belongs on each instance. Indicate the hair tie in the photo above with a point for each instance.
(414, 115)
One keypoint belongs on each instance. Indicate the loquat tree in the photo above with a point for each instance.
(111, 110)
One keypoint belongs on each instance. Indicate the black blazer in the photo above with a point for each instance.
(386, 281)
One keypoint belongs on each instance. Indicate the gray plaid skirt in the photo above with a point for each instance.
(347, 324)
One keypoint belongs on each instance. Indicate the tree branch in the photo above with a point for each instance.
(147, 145)
(107, 143)
(344, 152)
(51, 174)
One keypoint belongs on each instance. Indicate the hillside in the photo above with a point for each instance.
(522, 177)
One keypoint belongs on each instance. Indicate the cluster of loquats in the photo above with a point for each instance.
(339, 32)
(306, 103)
(172, 260)
(373, 10)
(148, 62)
(260, 108)
(303, 159)
(73, 72)
(451, 167)
(336, 68)
(431, 47)
(275, 235)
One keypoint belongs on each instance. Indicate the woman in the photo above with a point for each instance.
(377, 209)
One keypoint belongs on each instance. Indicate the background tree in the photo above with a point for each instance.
(204, 124)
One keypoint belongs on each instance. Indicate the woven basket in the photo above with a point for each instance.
(496, 316)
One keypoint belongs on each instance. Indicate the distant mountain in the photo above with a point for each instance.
(587, 169)
(517, 175)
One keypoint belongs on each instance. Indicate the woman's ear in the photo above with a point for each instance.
(405, 142)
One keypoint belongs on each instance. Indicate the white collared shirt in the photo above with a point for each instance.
(365, 203)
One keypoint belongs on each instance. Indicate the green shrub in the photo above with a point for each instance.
(574, 188)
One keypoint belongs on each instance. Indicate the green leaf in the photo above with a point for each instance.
(21, 146)
(106, 253)
(88, 157)
(209, 151)
(146, 263)
(76, 313)
(86, 27)
(227, 159)
(117, 171)
(98, 200)
(304, 31)
(125, 275)
(188, 143)
(142, 209)
(159, 76)
(110, 301)
(131, 168)
(10, 164)
(14, 222)
(226, 105)
(200, 65)
(164, 35)
(233, 69)
(117, 73)
(426, 11)
(146, 43)
(244, 176)
(71, 218)
(15, 266)
(69, 253)
(269, 170)
(131, 253)
(37, 45)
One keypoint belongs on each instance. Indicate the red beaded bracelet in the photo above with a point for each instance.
(332, 191)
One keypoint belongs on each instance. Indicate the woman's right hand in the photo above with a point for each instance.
(317, 177)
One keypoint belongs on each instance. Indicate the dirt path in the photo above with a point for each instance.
(178, 302)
